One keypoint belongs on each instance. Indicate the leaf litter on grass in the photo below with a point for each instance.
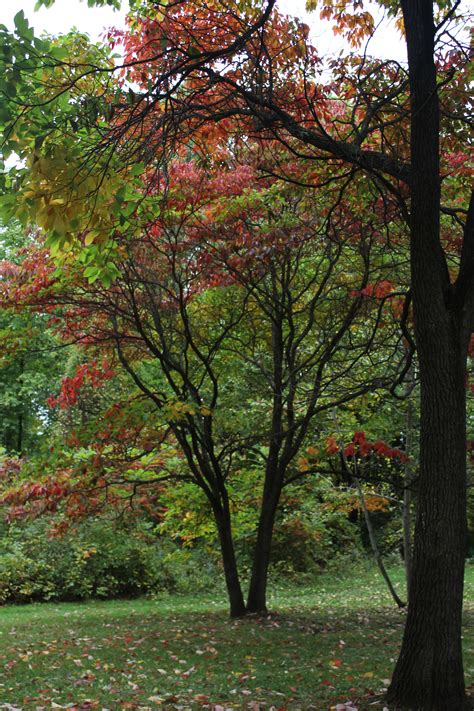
(332, 650)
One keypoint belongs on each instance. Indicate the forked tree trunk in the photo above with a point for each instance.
(273, 483)
(231, 573)
(429, 672)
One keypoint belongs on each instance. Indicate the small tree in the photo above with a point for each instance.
(198, 321)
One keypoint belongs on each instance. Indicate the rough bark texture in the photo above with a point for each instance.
(429, 671)
(407, 497)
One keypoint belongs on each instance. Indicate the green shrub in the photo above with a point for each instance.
(100, 559)
(97, 560)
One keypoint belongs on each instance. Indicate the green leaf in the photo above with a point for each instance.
(21, 23)
(10, 89)
(137, 170)
(58, 52)
(40, 44)
(91, 271)
(5, 114)
(7, 206)
(63, 100)
(43, 3)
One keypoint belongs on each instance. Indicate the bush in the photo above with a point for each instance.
(97, 560)
(22, 579)
(314, 530)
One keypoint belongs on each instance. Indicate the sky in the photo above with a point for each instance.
(68, 13)
(62, 16)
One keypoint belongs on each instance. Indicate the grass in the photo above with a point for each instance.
(327, 644)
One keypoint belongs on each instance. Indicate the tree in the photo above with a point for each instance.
(429, 670)
(211, 61)
(30, 354)
(207, 328)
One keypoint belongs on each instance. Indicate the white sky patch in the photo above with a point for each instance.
(387, 43)
(65, 14)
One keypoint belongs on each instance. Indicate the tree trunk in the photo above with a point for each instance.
(429, 671)
(406, 519)
(20, 420)
(234, 590)
(375, 548)
(406, 511)
(274, 475)
(19, 439)
(257, 597)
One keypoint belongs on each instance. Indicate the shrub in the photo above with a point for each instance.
(97, 560)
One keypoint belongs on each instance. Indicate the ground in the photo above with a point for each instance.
(330, 643)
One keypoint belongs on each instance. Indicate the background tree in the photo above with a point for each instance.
(31, 359)
(206, 328)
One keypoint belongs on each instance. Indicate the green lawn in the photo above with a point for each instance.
(331, 643)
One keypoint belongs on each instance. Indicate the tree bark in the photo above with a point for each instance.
(231, 573)
(19, 439)
(274, 473)
(429, 671)
(257, 597)
(407, 496)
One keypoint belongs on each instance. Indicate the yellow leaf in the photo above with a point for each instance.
(303, 464)
(90, 237)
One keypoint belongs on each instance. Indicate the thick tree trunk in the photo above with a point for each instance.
(257, 597)
(232, 580)
(429, 671)
(407, 496)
